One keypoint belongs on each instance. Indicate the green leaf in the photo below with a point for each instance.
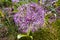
(36, 1)
(20, 36)
(58, 3)
(31, 37)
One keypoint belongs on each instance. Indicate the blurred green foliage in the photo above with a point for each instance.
(58, 3)
(51, 32)
(5, 3)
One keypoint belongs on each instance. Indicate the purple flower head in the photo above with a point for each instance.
(15, 0)
(29, 17)
(48, 2)
(52, 18)
(58, 10)
(52, 1)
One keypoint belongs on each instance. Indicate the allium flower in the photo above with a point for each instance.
(52, 19)
(48, 2)
(3, 31)
(58, 9)
(15, 0)
(9, 11)
(29, 17)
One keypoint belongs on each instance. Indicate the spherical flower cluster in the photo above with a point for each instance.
(29, 17)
